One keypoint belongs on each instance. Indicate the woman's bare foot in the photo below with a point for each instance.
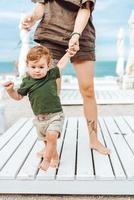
(94, 142)
(100, 148)
(44, 165)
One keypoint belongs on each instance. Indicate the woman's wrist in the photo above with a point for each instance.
(75, 33)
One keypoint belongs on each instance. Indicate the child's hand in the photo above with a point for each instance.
(8, 85)
(28, 22)
(74, 43)
(72, 51)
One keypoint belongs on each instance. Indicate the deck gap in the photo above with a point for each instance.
(25, 159)
(76, 153)
(107, 147)
(125, 138)
(128, 145)
(37, 171)
(128, 125)
(115, 148)
(93, 163)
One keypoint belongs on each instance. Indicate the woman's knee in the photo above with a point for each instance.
(87, 91)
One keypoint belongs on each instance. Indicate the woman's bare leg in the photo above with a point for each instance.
(85, 74)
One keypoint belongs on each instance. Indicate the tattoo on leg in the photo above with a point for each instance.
(92, 126)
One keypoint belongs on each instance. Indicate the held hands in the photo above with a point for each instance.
(9, 85)
(73, 45)
(28, 22)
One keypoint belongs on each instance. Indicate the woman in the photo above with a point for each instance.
(67, 24)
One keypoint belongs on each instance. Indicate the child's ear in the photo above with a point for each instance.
(49, 63)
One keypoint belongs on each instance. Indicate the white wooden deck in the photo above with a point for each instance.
(81, 170)
(118, 96)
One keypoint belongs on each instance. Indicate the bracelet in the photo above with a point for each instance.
(75, 33)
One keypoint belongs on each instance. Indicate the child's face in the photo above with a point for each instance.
(38, 69)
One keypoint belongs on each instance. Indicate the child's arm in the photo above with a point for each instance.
(58, 82)
(61, 65)
(36, 14)
(10, 90)
(63, 62)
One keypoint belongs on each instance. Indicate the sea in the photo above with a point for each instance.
(102, 68)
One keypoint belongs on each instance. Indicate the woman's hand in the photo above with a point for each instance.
(28, 22)
(73, 45)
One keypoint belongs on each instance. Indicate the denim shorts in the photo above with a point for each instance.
(51, 122)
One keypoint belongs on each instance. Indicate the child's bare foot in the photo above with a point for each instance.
(44, 165)
(55, 161)
(49, 151)
(100, 148)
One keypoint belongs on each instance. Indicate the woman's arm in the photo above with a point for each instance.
(82, 18)
(80, 23)
(38, 11)
(36, 14)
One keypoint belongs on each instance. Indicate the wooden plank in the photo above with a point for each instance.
(14, 143)
(51, 172)
(125, 154)
(84, 158)
(14, 164)
(73, 175)
(126, 131)
(30, 167)
(66, 170)
(11, 132)
(130, 121)
(114, 159)
(103, 169)
(68, 187)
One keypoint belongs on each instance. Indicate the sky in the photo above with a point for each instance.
(108, 17)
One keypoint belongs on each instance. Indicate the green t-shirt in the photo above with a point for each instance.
(42, 92)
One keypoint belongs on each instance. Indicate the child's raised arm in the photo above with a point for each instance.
(36, 14)
(11, 91)
(63, 61)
